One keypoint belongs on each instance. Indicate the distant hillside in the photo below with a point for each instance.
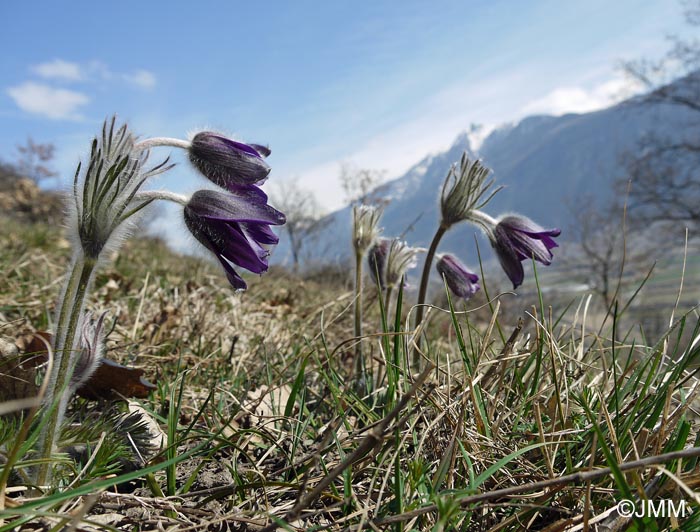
(546, 163)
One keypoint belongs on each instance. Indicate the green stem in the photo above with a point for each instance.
(387, 301)
(65, 344)
(64, 308)
(358, 314)
(424, 282)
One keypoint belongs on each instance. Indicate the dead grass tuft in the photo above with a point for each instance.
(539, 425)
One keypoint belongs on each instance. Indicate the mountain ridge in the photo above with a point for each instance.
(545, 163)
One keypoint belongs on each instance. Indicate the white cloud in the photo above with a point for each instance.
(141, 78)
(59, 69)
(564, 100)
(99, 70)
(44, 100)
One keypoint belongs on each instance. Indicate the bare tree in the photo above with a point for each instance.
(665, 172)
(359, 184)
(34, 160)
(303, 214)
(613, 254)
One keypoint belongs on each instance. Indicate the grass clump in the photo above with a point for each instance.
(306, 405)
(544, 423)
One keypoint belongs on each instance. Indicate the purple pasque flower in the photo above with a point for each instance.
(235, 227)
(516, 238)
(462, 282)
(230, 164)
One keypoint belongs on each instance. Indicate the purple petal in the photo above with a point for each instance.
(528, 248)
(531, 229)
(549, 242)
(513, 268)
(235, 145)
(529, 239)
(203, 233)
(545, 236)
(260, 233)
(264, 151)
(508, 256)
(235, 228)
(233, 278)
(522, 224)
(248, 191)
(245, 207)
(226, 162)
(237, 248)
(459, 279)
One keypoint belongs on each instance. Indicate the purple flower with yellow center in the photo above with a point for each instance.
(462, 282)
(230, 164)
(235, 227)
(516, 238)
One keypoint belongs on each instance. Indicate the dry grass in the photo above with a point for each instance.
(263, 426)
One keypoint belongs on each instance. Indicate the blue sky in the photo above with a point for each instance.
(378, 84)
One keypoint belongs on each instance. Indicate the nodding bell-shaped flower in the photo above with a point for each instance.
(92, 343)
(230, 164)
(516, 238)
(235, 227)
(462, 282)
(365, 226)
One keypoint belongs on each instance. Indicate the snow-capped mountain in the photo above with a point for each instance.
(547, 164)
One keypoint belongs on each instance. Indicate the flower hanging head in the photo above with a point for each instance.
(235, 227)
(516, 238)
(230, 164)
(462, 282)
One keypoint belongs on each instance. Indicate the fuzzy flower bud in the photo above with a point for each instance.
(401, 258)
(463, 191)
(111, 180)
(391, 259)
(462, 282)
(230, 164)
(365, 226)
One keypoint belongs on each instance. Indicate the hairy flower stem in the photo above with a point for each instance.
(483, 220)
(66, 344)
(154, 195)
(424, 283)
(358, 314)
(154, 142)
